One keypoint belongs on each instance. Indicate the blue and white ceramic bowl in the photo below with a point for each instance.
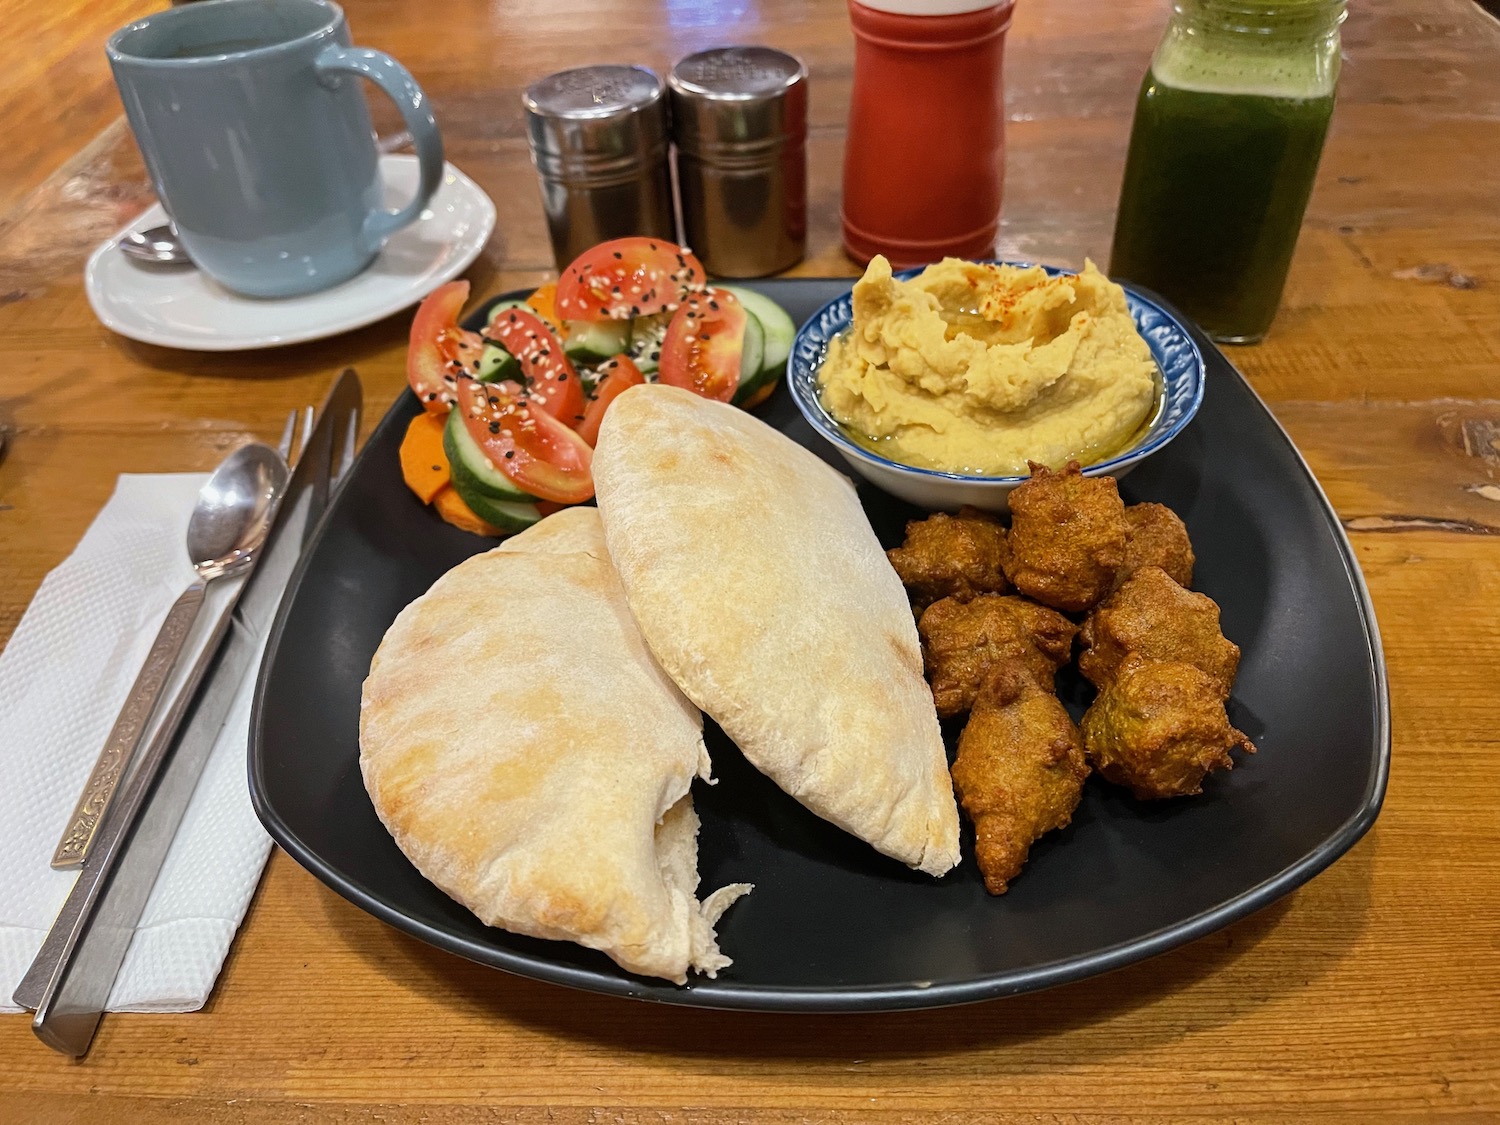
(1177, 359)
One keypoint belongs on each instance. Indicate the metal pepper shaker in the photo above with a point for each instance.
(598, 137)
(739, 121)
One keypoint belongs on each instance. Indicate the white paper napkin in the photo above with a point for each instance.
(63, 676)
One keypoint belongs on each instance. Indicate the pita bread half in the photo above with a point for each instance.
(532, 760)
(760, 586)
(562, 533)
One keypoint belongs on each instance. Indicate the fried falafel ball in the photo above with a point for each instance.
(1067, 537)
(951, 557)
(963, 643)
(1019, 772)
(1159, 728)
(1155, 536)
(1152, 616)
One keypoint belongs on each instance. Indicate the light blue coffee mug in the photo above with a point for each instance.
(259, 142)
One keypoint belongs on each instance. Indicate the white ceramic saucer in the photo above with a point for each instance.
(179, 307)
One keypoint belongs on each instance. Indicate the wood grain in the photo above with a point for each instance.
(1370, 994)
(60, 95)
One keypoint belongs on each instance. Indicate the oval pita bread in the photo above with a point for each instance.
(762, 590)
(533, 761)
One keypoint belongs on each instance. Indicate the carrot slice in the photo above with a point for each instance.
(759, 396)
(451, 507)
(424, 465)
(543, 302)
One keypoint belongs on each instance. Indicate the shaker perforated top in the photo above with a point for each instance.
(738, 98)
(609, 110)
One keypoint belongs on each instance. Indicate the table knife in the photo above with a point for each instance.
(70, 980)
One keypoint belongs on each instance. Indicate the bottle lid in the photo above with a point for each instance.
(594, 119)
(931, 7)
(738, 100)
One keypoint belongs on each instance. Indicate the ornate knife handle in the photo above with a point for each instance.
(125, 737)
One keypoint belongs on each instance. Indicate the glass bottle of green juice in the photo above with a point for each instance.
(1228, 130)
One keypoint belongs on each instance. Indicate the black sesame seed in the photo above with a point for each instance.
(509, 454)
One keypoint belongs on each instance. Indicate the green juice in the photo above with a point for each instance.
(1215, 187)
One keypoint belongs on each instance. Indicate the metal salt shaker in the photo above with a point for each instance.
(739, 121)
(598, 138)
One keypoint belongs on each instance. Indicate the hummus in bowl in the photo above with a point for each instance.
(938, 385)
(977, 369)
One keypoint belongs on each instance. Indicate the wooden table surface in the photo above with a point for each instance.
(1374, 992)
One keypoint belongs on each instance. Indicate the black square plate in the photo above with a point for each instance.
(832, 925)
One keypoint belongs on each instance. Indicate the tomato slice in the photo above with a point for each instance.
(701, 351)
(551, 380)
(439, 349)
(627, 277)
(536, 451)
(616, 376)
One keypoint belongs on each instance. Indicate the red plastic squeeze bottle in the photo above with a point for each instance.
(925, 157)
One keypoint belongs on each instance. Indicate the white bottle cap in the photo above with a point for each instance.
(930, 7)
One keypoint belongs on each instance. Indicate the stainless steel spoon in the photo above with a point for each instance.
(158, 244)
(228, 525)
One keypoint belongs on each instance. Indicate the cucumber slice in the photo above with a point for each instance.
(646, 335)
(592, 342)
(499, 307)
(497, 364)
(508, 303)
(752, 361)
(779, 329)
(508, 515)
(474, 474)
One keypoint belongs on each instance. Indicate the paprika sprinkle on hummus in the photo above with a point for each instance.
(974, 368)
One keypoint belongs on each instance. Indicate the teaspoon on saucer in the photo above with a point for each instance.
(158, 245)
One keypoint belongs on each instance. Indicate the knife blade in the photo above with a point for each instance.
(70, 980)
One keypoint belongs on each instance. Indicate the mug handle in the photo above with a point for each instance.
(414, 105)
